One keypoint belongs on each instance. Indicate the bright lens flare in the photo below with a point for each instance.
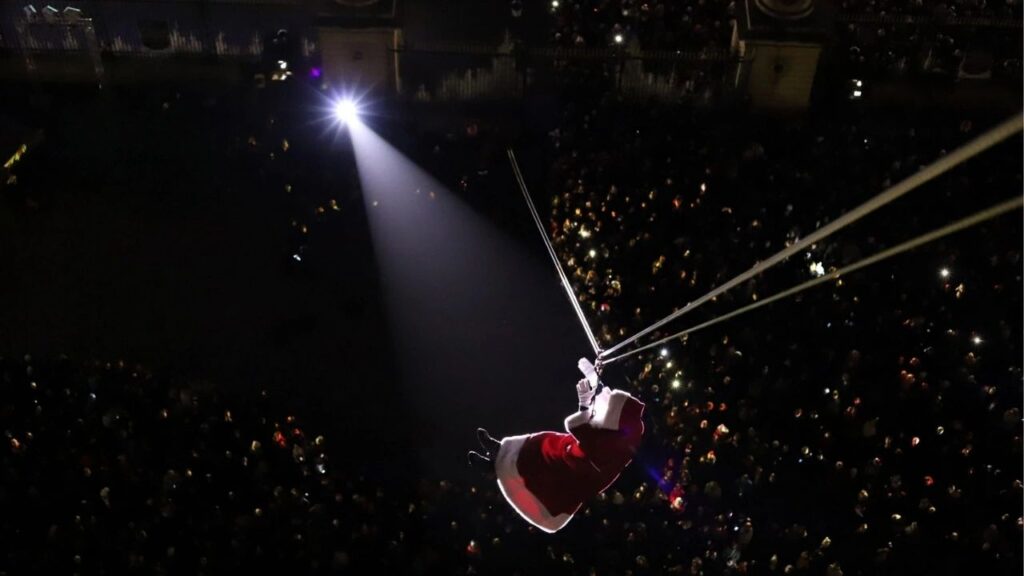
(346, 112)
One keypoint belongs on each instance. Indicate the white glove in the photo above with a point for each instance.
(585, 392)
(589, 371)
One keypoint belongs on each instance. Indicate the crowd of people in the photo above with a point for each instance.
(109, 470)
(1005, 9)
(858, 452)
(897, 49)
(875, 39)
(872, 426)
(657, 25)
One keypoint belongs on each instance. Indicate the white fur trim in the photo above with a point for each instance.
(607, 409)
(514, 489)
(604, 413)
(578, 419)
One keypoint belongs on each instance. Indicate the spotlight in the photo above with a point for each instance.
(618, 38)
(346, 111)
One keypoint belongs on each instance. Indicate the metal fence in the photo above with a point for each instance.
(150, 28)
(477, 72)
(951, 21)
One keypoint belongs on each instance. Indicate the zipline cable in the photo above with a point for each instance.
(987, 214)
(551, 252)
(983, 142)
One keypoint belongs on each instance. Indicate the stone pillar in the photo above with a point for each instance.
(779, 43)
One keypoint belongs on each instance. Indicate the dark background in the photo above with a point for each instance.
(158, 235)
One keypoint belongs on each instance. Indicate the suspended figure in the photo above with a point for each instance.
(548, 476)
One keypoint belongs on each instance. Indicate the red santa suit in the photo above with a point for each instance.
(547, 476)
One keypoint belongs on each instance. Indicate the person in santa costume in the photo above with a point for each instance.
(547, 476)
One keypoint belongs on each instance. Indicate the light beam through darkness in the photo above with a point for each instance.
(484, 335)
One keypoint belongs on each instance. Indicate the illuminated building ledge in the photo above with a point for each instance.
(16, 157)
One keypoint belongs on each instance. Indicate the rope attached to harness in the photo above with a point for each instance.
(983, 142)
(978, 218)
(551, 252)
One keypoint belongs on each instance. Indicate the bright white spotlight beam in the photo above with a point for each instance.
(346, 112)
